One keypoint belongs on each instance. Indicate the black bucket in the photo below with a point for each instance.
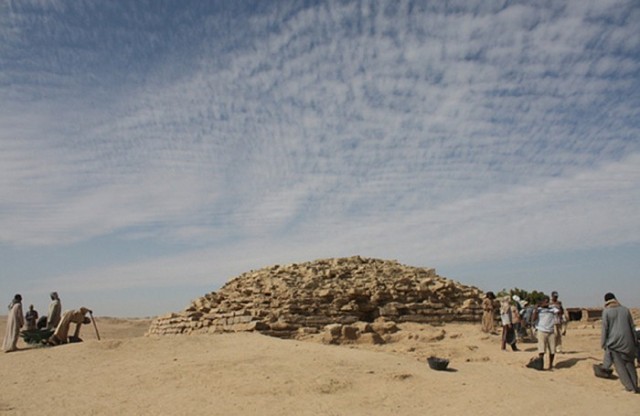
(439, 364)
(537, 363)
(602, 372)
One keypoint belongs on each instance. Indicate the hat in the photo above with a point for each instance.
(516, 298)
(609, 296)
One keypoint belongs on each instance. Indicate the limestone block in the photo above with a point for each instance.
(307, 330)
(282, 326)
(327, 338)
(347, 319)
(392, 309)
(251, 326)
(334, 330)
(363, 327)
(349, 333)
(371, 338)
(385, 327)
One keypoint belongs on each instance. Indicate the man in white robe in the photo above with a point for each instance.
(15, 321)
(55, 309)
(76, 316)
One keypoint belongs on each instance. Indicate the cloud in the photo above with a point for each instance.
(589, 210)
(464, 130)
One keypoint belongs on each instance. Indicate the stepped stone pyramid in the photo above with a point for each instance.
(285, 300)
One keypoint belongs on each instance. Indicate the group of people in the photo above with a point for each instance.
(520, 320)
(547, 323)
(56, 322)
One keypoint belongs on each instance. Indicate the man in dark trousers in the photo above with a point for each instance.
(619, 342)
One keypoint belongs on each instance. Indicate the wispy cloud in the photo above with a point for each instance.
(554, 216)
(467, 130)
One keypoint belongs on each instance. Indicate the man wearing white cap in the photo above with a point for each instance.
(55, 311)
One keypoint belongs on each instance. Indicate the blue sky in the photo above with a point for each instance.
(152, 150)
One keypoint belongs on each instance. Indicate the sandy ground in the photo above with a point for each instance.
(127, 373)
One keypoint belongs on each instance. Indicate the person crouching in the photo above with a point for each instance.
(61, 334)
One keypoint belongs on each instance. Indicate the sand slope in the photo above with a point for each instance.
(250, 374)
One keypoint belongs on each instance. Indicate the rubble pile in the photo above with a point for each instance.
(307, 297)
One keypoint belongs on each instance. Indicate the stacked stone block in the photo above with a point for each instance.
(285, 300)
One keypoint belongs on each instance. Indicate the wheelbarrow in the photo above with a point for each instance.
(36, 336)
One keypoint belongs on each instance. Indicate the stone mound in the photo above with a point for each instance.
(303, 298)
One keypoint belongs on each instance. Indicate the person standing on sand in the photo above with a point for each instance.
(15, 321)
(545, 315)
(619, 341)
(558, 325)
(55, 309)
(638, 338)
(31, 317)
(488, 322)
(526, 318)
(507, 319)
(516, 314)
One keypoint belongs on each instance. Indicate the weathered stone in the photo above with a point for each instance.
(334, 329)
(349, 333)
(307, 331)
(280, 299)
(363, 327)
(385, 327)
(370, 338)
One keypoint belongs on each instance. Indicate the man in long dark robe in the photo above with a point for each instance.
(619, 342)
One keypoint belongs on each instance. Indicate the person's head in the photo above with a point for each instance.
(609, 296)
(30, 307)
(54, 295)
(544, 301)
(17, 298)
(554, 295)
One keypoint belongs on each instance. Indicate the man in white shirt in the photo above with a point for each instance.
(546, 316)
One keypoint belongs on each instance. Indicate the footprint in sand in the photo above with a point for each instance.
(333, 386)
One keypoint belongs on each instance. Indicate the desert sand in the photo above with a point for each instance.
(128, 373)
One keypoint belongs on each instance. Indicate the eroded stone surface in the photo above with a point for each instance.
(306, 297)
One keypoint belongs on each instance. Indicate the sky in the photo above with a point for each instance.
(150, 151)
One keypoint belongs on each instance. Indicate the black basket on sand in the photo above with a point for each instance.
(602, 372)
(436, 363)
(537, 363)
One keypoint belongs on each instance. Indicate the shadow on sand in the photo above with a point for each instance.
(568, 363)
